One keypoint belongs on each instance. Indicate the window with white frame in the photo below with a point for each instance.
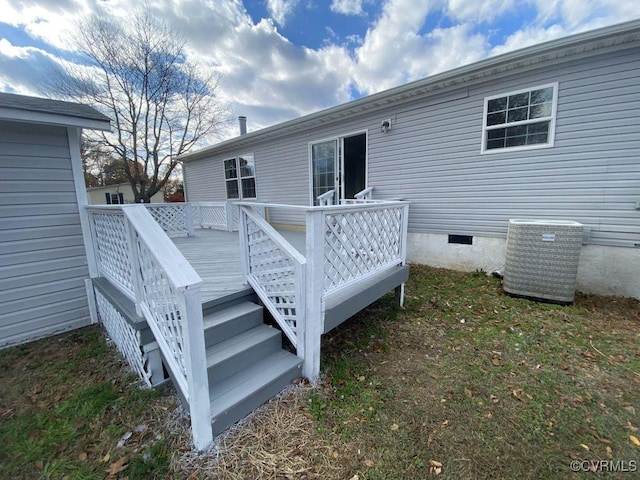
(520, 120)
(240, 177)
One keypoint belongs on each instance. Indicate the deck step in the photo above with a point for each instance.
(240, 394)
(224, 324)
(241, 351)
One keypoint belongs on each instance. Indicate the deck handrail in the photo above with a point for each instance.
(166, 291)
(366, 194)
(345, 244)
(276, 271)
(327, 198)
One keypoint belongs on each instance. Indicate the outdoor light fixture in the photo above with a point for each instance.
(386, 126)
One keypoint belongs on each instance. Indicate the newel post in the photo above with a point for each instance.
(196, 367)
(314, 292)
(134, 259)
(189, 219)
(244, 241)
(228, 215)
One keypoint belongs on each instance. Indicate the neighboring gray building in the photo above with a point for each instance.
(43, 256)
(550, 131)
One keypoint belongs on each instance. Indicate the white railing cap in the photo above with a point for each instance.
(180, 272)
(335, 208)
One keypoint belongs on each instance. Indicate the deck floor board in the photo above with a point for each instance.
(215, 256)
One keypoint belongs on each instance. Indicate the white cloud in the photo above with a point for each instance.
(281, 9)
(395, 51)
(347, 7)
(479, 11)
(269, 79)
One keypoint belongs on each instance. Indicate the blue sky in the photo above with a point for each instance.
(284, 58)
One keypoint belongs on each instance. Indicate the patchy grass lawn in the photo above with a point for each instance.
(463, 383)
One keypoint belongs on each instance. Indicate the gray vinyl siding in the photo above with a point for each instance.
(42, 257)
(431, 156)
(591, 175)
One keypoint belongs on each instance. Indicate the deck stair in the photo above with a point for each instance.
(246, 363)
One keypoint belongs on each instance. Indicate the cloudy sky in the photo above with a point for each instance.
(284, 58)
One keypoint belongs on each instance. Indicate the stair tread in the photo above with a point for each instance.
(238, 343)
(229, 313)
(244, 384)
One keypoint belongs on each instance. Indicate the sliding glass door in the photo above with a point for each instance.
(324, 166)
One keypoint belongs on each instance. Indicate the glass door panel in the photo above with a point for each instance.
(324, 156)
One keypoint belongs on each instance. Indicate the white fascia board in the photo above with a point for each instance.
(27, 116)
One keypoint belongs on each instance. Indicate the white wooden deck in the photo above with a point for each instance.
(215, 255)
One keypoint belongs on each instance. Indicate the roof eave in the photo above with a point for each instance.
(28, 116)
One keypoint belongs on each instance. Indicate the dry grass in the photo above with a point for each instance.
(463, 383)
(278, 441)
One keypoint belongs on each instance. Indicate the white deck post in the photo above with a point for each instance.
(228, 214)
(189, 220)
(198, 384)
(315, 289)
(244, 241)
(403, 251)
(134, 261)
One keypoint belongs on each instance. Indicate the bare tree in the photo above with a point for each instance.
(160, 103)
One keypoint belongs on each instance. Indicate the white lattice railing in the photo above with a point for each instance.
(276, 271)
(110, 234)
(345, 244)
(217, 215)
(174, 218)
(362, 240)
(166, 291)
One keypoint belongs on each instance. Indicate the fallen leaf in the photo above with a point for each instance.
(82, 457)
(445, 423)
(586, 447)
(294, 453)
(494, 399)
(468, 393)
(368, 463)
(609, 452)
(335, 454)
(395, 427)
(118, 466)
(495, 361)
(435, 467)
(355, 477)
(630, 409)
(361, 378)
(634, 440)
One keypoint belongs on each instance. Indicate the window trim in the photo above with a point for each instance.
(238, 179)
(551, 118)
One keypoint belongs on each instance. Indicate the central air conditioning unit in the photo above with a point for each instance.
(542, 259)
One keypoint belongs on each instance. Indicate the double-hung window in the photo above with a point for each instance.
(520, 120)
(240, 177)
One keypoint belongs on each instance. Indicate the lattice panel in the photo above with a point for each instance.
(113, 251)
(164, 304)
(275, 271)
(213, 216)
(360, 242)
(125, 337)
(171, 217)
